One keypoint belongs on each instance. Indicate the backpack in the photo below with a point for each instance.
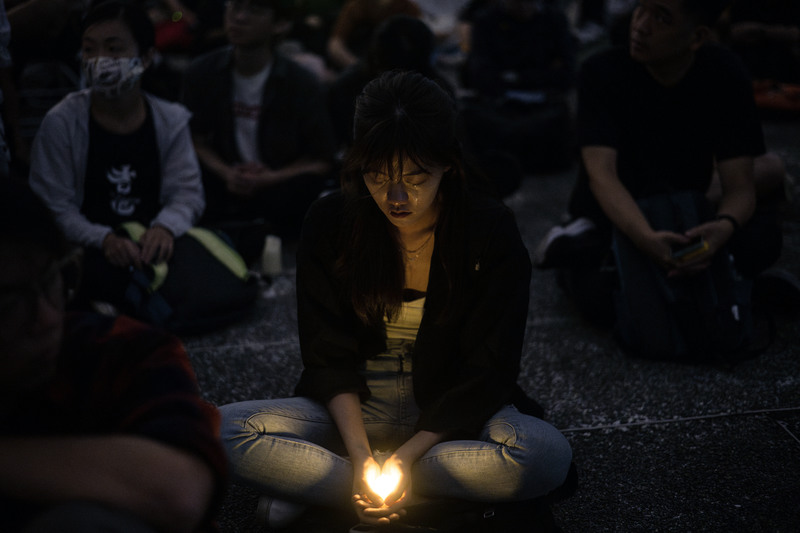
(706, 317)
(205, 285)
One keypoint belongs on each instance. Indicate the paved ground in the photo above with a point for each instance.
(659, 446)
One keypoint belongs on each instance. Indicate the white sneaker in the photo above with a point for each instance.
(547, 252)
(104, 308)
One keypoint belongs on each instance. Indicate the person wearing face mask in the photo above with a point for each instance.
(112, 153)
(412, 297)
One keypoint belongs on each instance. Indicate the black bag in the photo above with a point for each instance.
(703, 318)
(206, 285)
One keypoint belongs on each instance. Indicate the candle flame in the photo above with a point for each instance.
(383, 481)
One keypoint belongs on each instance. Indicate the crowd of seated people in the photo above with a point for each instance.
(237, 115)
(263, 163)
(269, 126)
(517, 88)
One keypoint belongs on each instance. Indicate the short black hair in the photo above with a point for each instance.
(129, 13)
(706, 12)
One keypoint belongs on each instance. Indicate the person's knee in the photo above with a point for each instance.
(769, 175)
(551, 456)
(247, 419)
(539, 450)
(287, 417)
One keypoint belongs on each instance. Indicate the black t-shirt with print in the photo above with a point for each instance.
(123, 175)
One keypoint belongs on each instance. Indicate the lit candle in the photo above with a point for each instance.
(383, 481)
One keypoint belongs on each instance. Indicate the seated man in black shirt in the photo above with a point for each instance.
(659, 117)
(260, 126)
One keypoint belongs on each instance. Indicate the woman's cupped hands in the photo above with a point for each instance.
(380, 491)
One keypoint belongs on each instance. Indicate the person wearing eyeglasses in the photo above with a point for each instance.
(260, 126)
(102, 427)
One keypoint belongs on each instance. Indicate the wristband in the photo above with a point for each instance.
(731, 219)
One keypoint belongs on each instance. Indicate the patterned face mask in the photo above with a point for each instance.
(112, 77)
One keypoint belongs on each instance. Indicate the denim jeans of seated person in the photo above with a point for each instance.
(291, 449)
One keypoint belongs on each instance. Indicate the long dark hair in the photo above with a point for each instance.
(399, 116)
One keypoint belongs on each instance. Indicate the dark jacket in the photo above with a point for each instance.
(466, 365)
(295, 122)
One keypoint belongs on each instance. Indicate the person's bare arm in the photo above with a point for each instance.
(246, 178)
(738, 201)
(620, 207)
(406, 455)
(166, 487)
(738, 189)
(345, 409)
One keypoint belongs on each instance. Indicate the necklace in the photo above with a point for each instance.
(413, 255)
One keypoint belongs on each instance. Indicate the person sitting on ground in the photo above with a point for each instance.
(400, 42)
(656, 118)
(355, 24)
(102, 427)
(260, 126)
(412, 304)
(112, 154)
(521, 67)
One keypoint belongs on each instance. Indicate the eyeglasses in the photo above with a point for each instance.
(247, 7)
(19, 303)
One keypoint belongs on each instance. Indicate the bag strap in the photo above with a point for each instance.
(135, 230)
(212, 242)
(226, 255)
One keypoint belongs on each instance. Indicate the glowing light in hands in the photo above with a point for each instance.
(383, 481)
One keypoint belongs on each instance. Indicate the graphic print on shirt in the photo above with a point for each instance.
(123, 176)
(122, 203)
(247, 109)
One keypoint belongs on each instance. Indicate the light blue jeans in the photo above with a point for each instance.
(291, 448)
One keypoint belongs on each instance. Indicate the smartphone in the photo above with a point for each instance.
(686, 252)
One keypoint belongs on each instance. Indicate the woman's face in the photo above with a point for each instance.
(409, 200)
